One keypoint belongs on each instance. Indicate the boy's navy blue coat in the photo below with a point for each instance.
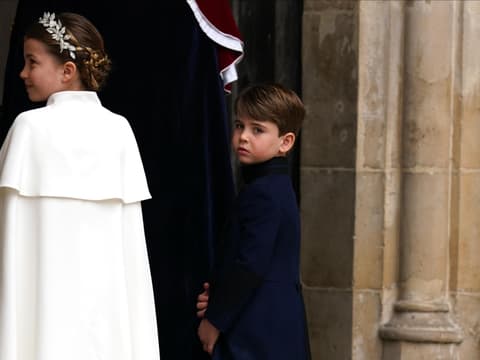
(255, 298)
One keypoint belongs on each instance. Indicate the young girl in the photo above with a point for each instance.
(74, 275)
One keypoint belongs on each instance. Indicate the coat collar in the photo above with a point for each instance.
(274, 166)
(68, 96)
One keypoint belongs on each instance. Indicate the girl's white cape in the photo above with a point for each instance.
(74, 273)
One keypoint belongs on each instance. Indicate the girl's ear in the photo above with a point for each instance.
(69, 71)
(288, 140)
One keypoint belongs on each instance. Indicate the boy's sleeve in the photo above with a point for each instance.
(259, 218)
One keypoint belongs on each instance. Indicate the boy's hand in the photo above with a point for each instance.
(202, 301)
(208, 335)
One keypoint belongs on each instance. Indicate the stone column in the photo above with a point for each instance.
(422, 312)
(378, 172)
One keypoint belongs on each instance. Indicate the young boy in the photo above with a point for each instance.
(255, 308)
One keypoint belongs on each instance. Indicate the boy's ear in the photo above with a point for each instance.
(288, 140)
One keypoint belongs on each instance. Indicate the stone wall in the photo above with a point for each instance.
(390, 217)
(328, 176)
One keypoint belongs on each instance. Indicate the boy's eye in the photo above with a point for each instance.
(238, 125)
(257, 130)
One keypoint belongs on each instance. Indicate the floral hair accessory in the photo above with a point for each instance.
(58, 32)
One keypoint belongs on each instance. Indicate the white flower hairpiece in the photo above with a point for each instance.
(55, 28)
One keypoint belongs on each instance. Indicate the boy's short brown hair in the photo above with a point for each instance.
(272, 102)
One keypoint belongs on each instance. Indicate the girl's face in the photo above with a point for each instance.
(257, 141)
(43, 73)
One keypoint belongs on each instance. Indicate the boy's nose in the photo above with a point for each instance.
(243, 136)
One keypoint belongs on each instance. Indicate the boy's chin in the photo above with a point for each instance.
(247, 160)
(251, 161)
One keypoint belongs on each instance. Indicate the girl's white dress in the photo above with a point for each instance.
(74, 274)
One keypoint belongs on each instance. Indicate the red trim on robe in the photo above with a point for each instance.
(216, 19)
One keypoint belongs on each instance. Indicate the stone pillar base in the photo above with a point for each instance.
(421, 331)
(394, 350)
(422, 322)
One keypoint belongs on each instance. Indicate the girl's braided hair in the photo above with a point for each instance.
(85, 46)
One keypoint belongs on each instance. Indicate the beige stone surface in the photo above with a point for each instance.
(467, 264)
(366, 319)
(424, 235)
(369, 223)
(468, 95)
(373, 87)
(391, 229)
(329, 135)
(420, 351)
(327, 210)
(319, 5)
(454, 232)
(329, 315)
(329, 91)
(466, 307)
(429, 75)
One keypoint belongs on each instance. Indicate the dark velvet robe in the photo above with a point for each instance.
(165, 81)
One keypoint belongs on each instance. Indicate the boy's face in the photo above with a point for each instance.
(257, 141)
